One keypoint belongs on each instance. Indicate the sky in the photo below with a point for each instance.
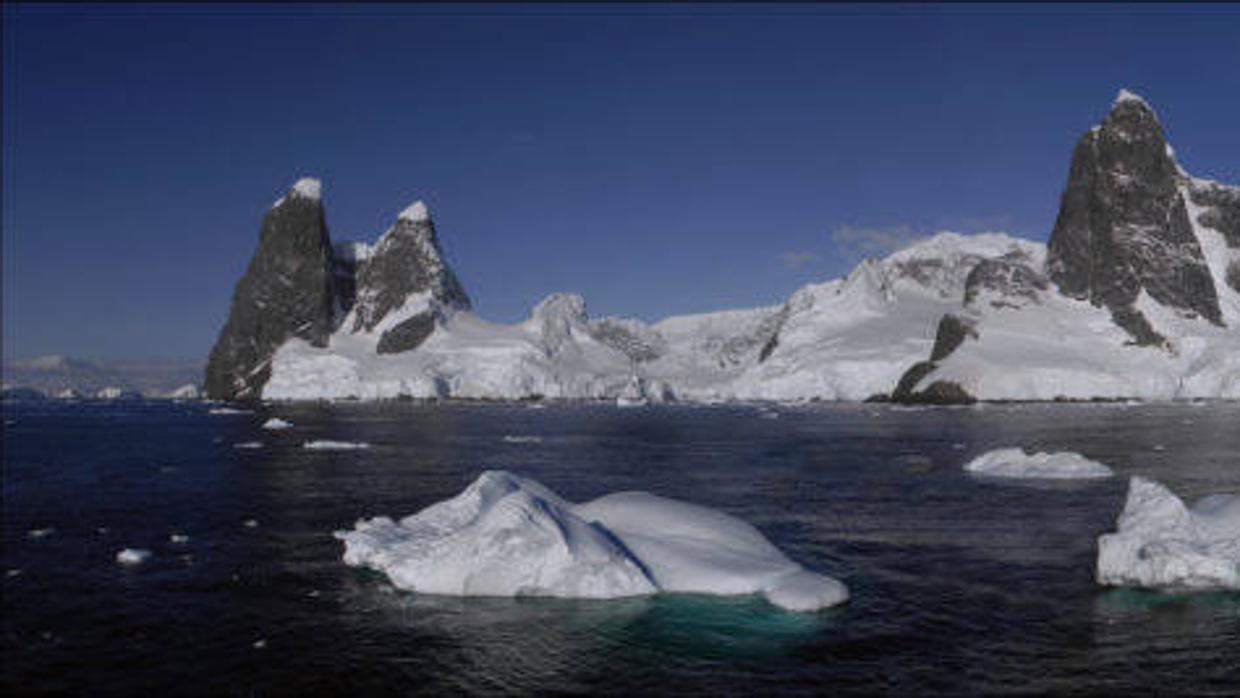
(658, 160)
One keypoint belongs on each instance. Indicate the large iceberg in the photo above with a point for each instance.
(1016, 463)
(1161, 543)
(510, 536)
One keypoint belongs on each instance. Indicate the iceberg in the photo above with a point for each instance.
(329, 445)
(1161, 543)
(277, 423)
(133, 556)
(505, 535)
(1015, 463)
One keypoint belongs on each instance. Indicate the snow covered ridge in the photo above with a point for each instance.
(952, 318)
(1161, 543)
(1016, 463)
(506, 535)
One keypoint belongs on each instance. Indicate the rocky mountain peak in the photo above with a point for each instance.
(1123, 224)
(287, 291)
(406, 260)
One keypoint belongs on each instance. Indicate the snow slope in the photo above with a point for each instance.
(1057, 347)
(511, 536)
(1161, 543)
(845, 339)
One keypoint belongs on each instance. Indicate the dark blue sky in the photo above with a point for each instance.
(658, 161)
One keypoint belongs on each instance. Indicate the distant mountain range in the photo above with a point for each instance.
(59, 376)
(1136, 294)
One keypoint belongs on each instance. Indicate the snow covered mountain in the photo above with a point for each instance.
(1143, 299)
(68, 378)
(1137, 294)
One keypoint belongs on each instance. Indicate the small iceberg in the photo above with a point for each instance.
(178, 538)
(37, 533)
(1015, 463)
(510, 536)
(329, 445)
(521, 439)
(227, 410)
(1162, 544)
(249, 444)
(277, 423)
(133, 556)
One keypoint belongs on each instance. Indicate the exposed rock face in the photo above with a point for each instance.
(405, 261)
(1123, 226)
(288, 291)
(633, 338)
(950, 334)
(1008, 281)
(1220, 206)
(407, 335)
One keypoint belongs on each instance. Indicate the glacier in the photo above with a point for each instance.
(506, 535)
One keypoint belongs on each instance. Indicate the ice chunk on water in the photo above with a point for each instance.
(1015, 463)
(249, 444)
(1161, 543)
(227, 410)
(521, 439)
(277, 423)
(511, 536)
(329, 445)
(133, 556)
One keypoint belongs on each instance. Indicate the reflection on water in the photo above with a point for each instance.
(959, 584)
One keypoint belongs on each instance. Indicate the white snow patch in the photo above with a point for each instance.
(277, 423)
(329, 445)
(1161, 543)
(1125, 95)
(133, 556)
(1015, 463)
(415, 213)
(511, 536)
(308, 187)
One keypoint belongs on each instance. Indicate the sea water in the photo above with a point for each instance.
(959, 584)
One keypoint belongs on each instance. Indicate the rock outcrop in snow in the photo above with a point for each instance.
(1160, 543)
(511, 536)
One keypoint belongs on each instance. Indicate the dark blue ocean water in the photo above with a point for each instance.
(959, 585)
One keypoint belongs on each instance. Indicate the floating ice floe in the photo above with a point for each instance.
(40, 532)
(521, 439)
(228, 410)
(1161, 543)
(329, 445)
(133, 556)
(249, 444)
(510, 536)
(277, 423)
(1015, 463)
(179, 538)
(250, 523)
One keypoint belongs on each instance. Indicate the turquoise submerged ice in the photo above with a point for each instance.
(509, 536)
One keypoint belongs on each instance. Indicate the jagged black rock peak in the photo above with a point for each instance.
(406, 260)
(1123, 225)
(288, 290)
